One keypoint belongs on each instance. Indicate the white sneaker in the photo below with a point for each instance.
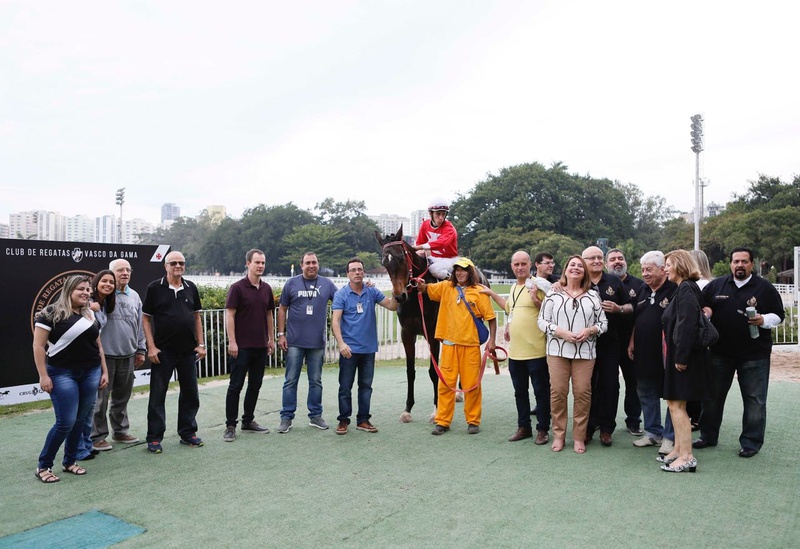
(666, 447)
(645, 441)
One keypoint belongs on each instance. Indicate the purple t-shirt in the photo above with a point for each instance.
(252, 306)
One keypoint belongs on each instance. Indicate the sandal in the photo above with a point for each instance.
(580, 447)
(75, 469)
(46, 475)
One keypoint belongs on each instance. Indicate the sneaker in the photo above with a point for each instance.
(317, 422)
(666, 447)
(194, 441)
(154, 447)
(125, 439)
(473, 429)
(439, 430)
(635, 430)
(102, 446)
(254, 427)
(285, 425)
(367, 426)
(230, 433)
(646, 441)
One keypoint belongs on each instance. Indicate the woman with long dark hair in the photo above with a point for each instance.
(70, 363)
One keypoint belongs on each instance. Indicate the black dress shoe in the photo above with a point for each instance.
(747, 452)
(700, 443)
(91, 456)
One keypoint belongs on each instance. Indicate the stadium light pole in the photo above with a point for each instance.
(697, 147)
(120, 202)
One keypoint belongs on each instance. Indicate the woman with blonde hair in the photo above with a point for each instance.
(703, 266)
(71, 367)
(572, 319)
(685, 368)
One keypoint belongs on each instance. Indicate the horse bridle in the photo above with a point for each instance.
(413, 281)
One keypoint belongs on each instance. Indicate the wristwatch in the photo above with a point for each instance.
(281, 333)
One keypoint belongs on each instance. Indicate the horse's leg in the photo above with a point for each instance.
(409, 340)
(434, 346)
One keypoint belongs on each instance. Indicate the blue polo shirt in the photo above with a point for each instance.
(359, 330)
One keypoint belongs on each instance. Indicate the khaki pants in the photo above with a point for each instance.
(580, 371)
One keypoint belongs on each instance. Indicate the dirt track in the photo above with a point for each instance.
(785, 365)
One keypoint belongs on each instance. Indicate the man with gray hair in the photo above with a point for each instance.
(124, 348)
(644, 349)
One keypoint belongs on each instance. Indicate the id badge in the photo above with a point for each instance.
(359, 308)
(309, 309)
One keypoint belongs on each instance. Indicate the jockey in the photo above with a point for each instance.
(438, 240)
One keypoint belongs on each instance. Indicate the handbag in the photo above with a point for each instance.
(707, 333)
(483, 331)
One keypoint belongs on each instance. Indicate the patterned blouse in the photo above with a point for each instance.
(560, 310)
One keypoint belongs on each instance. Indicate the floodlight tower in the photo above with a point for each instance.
(120, 202)
(697, 147)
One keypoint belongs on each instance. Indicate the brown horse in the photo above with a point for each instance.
(404, 267)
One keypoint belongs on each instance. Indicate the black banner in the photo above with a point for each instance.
(32, 273)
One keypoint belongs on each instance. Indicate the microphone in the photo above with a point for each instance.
(751, 312)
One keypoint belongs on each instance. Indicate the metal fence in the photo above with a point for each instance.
(389, 345)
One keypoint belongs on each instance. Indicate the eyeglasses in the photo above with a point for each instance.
(123, 270)
(356, 271)
(594, 258)
(176, 263)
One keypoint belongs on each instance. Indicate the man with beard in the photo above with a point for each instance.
(645, 351)
(736, 351)
(605, 378)
(616, 265)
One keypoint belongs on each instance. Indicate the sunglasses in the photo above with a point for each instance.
(176, 263)
(652, 298)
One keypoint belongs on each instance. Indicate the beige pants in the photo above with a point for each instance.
(561, 370)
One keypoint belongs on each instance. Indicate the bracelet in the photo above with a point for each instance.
(201, 345)
(281, 334)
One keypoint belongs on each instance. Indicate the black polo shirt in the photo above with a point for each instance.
(647, 349)
(632, 286)
(610, 288)
(728, 303)
(172, 315)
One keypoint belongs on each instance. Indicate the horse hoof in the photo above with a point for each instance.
(405, 417)
(459, 397)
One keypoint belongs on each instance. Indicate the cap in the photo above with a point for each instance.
(463, 262)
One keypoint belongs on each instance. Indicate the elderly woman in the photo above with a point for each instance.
(71, 367)
(685, 368)
(461, 347)
(572, 319)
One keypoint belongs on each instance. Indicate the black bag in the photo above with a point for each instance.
(707, 333)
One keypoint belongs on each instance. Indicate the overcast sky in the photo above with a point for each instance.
(390, 102)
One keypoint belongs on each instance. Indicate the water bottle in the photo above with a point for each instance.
(751, 312)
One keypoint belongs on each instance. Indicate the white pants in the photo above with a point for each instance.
(440, 267)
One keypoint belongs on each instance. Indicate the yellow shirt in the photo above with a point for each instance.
(454, 322)
(527, 340)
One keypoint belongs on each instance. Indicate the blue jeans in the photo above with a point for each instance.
(294, 365)
(250, 363)
(649, 390)
(85, 445)
(535, 370)
(364, 363)
(188, 399)
(753, 378)
(73, 396)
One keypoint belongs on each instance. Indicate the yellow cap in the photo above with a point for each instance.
(463, 262)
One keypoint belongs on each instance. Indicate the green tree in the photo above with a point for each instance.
(349, 217)
(265, 228)
(329, 245)
(223, 250)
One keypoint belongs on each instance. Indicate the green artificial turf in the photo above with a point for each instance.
(402, 487)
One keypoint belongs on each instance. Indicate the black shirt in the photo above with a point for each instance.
(632, 286)
(83, 352)
(728, 304)
(172, 315)
(648, 309)
(610, 288)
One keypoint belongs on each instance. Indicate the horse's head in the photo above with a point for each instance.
(395, 258)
